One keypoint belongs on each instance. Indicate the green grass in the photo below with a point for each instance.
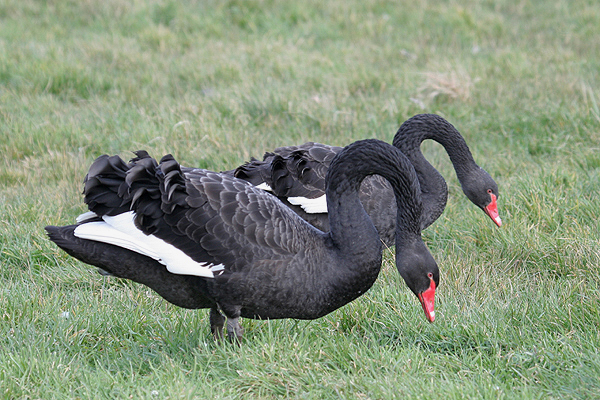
(216, 82)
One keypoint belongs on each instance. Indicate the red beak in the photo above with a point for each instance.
(492, 210)
(427, 299)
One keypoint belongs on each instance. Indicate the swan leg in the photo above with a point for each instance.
(217, 322)
(234, 330)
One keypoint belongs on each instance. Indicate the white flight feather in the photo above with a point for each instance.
(265, 186)
(120, 230)
(85, 216)
(311, 206)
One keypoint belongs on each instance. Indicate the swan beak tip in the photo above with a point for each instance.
(432, 316)
(496, 218)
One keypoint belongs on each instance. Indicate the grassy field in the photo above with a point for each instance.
(216, 82)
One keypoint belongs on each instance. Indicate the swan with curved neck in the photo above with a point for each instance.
(296, 174)
(476, 183)
(208, 240)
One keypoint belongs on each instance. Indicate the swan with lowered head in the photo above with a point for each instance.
(296, 174)
(203, 239)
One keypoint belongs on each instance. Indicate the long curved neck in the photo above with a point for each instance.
(351, 229)
(433, 186)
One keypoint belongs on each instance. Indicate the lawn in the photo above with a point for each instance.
(217, 82)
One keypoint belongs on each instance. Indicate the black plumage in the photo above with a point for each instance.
(299, 172)
(251, 255)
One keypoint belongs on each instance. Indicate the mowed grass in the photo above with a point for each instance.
(216, 82)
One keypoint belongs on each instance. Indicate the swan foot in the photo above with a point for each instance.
(217, 322)
(234, 330)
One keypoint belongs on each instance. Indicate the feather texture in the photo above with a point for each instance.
(296, 174)
(253, 255)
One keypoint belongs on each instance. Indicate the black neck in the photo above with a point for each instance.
(351, 228)
(430, 126)
(433, 186)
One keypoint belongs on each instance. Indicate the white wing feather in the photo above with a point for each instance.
(311, 206)
(120, 230)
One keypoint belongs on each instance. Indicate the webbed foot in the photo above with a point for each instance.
(234, 330)
(217, 322)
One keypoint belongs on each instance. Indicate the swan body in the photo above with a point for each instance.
(296, 174)
(203, 239)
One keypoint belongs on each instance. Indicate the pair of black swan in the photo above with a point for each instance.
(296, 174)
(203, 239)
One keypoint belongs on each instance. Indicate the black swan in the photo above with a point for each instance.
(203, 239)
(296, 174)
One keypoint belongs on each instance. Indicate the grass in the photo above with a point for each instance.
(215, 83)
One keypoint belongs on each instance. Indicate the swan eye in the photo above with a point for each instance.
(430, 275)
(489, 191)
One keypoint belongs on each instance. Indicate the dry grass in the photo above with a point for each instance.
(454, 84)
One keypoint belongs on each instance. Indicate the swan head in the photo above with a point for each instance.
(419, 270)
(482, 190)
